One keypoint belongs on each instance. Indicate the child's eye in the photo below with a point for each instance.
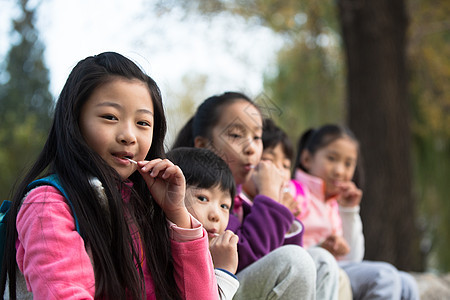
(202, 198)
(257, 137)
(234, 135)
(144, 123)
(109, 117)
(331, 158)
(225, 206)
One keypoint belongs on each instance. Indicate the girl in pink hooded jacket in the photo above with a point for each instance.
(134, 238)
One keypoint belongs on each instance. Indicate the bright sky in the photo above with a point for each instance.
(232, 54)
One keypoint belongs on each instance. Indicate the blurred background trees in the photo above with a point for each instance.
(429, 91)
(25, 100)
(382, 68)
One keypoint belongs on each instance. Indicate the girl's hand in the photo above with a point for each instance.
(268, 180)
(350, 195)
(336, 245)
(290, 202)
(224, 251)
(167, 185)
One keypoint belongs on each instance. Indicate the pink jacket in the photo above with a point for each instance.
(53, 259)
(321, 218)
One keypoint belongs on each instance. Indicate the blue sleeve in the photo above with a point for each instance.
(228, 272)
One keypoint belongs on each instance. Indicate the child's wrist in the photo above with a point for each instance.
(180, 217)
(268, 192)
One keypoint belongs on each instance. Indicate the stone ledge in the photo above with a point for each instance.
(433, 287)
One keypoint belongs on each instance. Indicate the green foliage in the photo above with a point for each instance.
(25, 101)
(21, 144)
(286, 16)
(309, 87)
(430, 68)
(309, 82)
(432, 158)
(429, 56)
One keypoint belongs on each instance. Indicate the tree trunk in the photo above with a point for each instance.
(374, 34)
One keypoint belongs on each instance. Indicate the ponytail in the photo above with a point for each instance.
(302, 143)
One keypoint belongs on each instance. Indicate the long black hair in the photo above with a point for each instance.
(315, 139)
(108, 237)
(206, 118)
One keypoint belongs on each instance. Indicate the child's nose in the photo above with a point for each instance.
(214, 215)
(339, 169)
(249, 146)
(126, 135)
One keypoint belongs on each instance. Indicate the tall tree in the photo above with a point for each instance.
(374, 34)
(25, 100)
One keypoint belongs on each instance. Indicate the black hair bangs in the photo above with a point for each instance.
(202, 168)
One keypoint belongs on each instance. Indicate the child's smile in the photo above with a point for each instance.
(117, 123)
(123, 157)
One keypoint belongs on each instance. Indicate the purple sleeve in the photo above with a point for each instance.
(262, 230)
(295, 238)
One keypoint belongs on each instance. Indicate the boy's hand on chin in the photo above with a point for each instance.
(224, 251)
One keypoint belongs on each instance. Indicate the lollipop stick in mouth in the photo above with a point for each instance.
(133, 161)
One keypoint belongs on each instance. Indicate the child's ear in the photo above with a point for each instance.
(200, 142)
(305, 159)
